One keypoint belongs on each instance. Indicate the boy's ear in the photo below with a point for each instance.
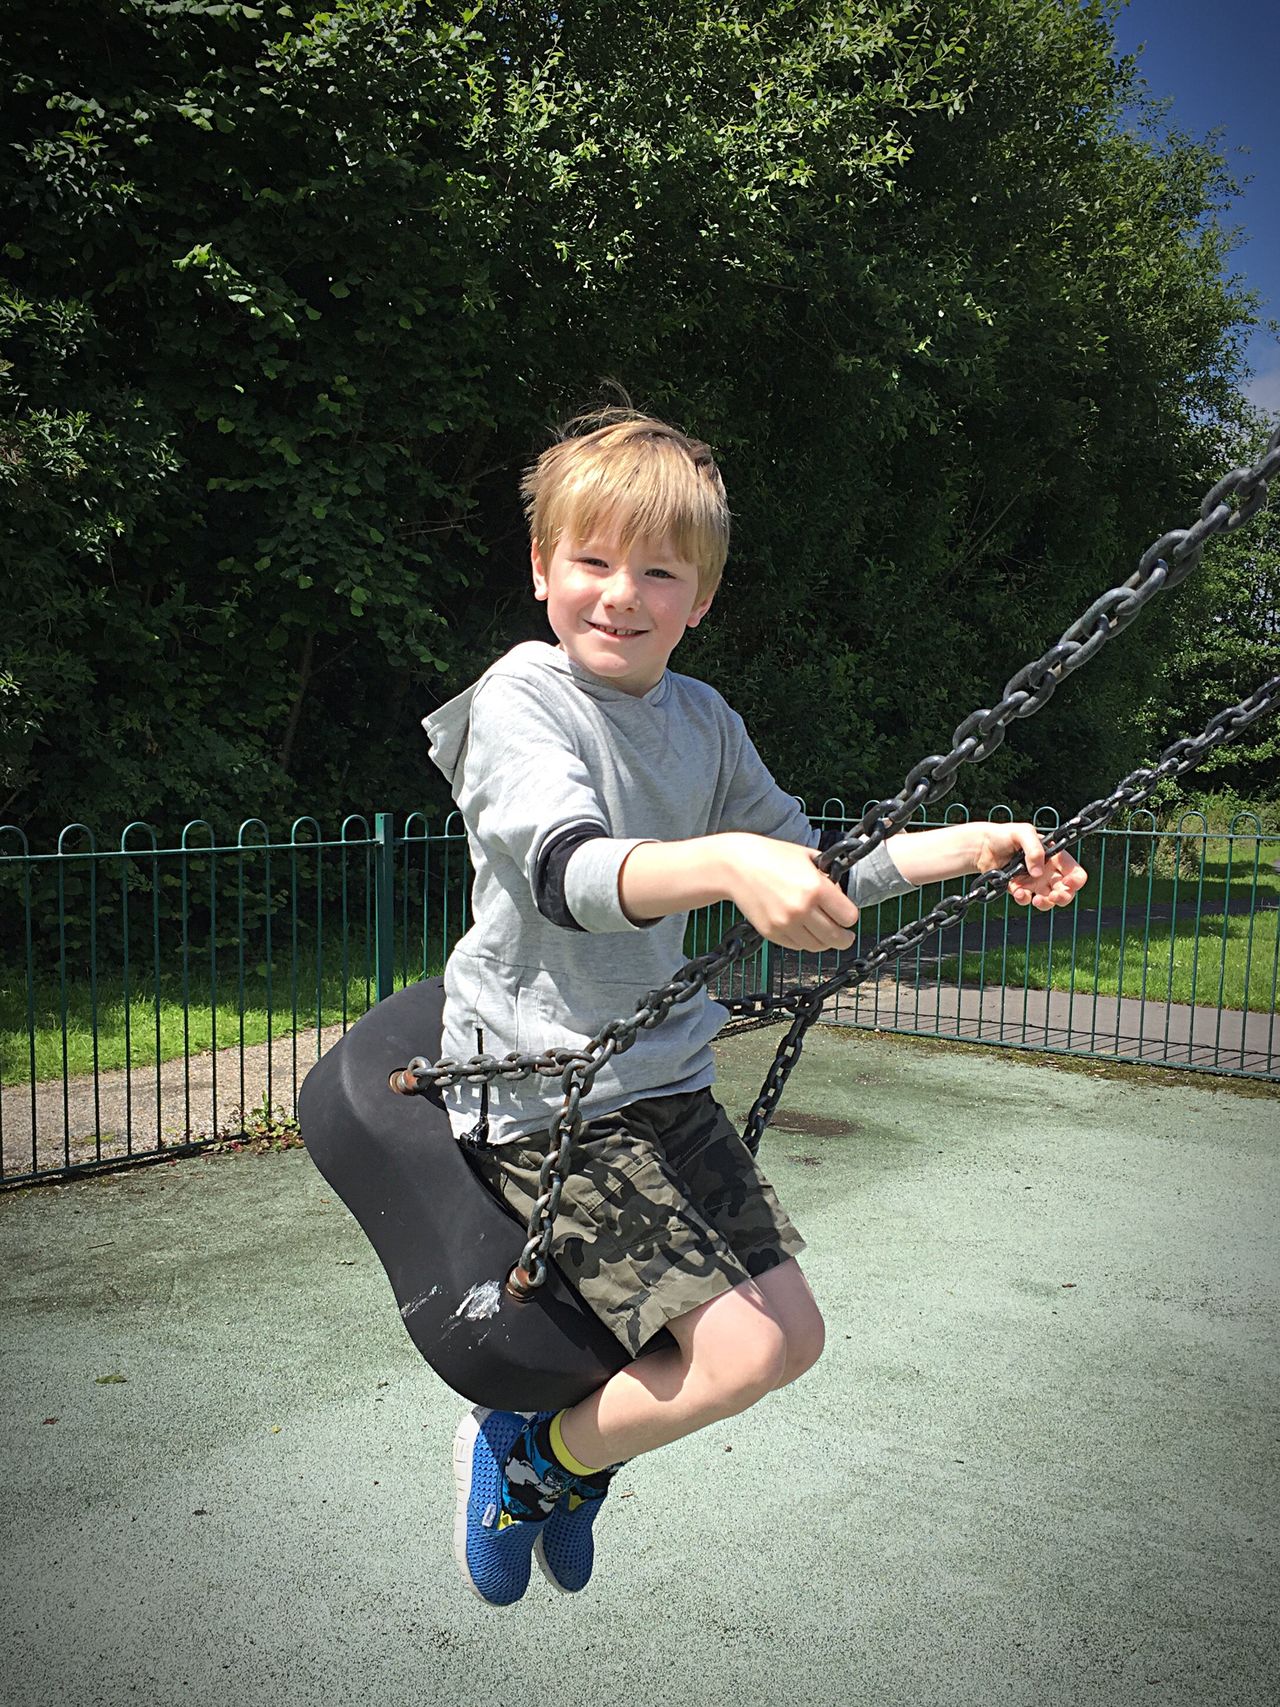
(539, 573)
(700, 610)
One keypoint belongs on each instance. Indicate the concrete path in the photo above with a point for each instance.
(1038, 1463)
(55, 1123)
(1169, 1033)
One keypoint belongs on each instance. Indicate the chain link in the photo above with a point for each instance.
(806, 1001)
(1165, 564)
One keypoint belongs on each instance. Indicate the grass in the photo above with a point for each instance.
(184, 1028)
(1203, 872)
(1141, 870)
(1205, 956)
(187, 1028)
(1209, 969)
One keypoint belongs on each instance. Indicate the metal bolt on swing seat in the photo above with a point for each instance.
(520, 1285)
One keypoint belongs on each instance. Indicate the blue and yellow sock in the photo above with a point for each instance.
(541, 1468)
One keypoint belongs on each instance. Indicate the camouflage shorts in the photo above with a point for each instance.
(664, 1208)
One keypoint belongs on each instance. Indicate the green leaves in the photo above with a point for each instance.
(292, 299)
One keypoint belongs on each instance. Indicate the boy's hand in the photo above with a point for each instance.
(778, 887)
(1048, 883)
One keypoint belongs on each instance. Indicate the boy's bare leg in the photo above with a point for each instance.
(732, 1351)
(791, 1303)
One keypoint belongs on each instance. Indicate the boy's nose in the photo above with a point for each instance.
(621, 590)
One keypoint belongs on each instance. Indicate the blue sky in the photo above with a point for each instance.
(1219, 60)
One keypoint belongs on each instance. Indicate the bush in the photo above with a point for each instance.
(291, 294)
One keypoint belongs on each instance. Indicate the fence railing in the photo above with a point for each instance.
(1170, 956)
(156, 999)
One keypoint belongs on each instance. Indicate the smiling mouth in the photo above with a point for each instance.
(617, 633)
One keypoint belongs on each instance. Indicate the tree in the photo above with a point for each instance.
(293, 294)
(1224, 643)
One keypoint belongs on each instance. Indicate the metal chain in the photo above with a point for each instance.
(1164, 564)
(806, 1001)
(1035, 684)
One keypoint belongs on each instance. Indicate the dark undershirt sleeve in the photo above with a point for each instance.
(548, 885)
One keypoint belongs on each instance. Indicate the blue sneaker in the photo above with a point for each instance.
(565, 1548)
(494, 1550)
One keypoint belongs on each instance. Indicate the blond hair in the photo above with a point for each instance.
(636, 473)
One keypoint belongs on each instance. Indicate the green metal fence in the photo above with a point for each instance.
(155, 999)
(1170, 956)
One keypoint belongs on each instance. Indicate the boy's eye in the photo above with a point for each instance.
(599, 563)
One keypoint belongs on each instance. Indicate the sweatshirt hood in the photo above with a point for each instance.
(449, 726)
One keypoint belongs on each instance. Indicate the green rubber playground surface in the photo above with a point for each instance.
(1038, 1463)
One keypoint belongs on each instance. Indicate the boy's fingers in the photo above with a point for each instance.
(804, 941)
(1032, 848)
(835, 923)
(833, 900)
(819, 934)
(839, 908)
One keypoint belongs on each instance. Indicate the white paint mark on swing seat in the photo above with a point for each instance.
(406, 1310)
(481, 1301)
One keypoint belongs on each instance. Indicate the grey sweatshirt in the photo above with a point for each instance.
(538, 748)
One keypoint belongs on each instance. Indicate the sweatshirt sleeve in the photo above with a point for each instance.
(756, 803)
(522, 783)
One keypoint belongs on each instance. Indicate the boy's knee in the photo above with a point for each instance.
(744, 1371)
(804, 1346)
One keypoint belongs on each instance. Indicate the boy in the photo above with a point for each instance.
(604, 796)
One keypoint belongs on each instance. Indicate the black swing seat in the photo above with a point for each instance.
(445, 1240)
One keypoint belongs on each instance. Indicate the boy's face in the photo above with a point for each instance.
(620, 614)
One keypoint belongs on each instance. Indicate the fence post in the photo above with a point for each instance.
(384, 903)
